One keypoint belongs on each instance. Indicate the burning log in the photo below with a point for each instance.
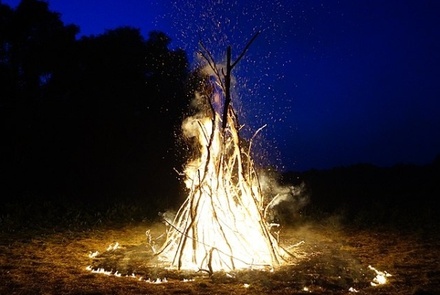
(221, 224)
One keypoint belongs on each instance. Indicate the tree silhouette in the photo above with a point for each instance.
(37, 41)
(95, 116)
(34, 41)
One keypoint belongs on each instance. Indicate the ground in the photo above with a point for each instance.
(329, 259)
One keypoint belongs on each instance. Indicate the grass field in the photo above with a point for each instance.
(45, 248)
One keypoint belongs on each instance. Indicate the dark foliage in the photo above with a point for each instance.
(94, 117)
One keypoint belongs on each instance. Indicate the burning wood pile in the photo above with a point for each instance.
(221, 225)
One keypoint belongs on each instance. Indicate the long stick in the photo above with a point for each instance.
(227, 76)
(227, 86)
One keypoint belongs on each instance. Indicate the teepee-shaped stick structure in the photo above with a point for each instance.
(221, 225)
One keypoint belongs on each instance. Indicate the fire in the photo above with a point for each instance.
(221, 224)
(381, 277)
(113, 247)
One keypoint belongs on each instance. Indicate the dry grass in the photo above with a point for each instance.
(330, 261)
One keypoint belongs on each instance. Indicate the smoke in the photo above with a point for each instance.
(167, 217)
(284, 201)
(190, 126)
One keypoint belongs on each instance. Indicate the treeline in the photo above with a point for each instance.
(94, 117)
(403, 195)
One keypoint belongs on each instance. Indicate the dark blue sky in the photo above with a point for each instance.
(337, 82)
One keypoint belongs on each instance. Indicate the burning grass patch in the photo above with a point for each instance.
(331, 260)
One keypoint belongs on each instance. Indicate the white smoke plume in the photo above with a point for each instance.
(284, 201)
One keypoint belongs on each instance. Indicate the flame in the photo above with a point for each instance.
(93, 254)
(113, 247)
(220, 226)
(134, 276)
(381, 277)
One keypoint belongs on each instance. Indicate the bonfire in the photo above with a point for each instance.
(221, 225)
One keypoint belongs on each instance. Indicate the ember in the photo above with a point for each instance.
(380, 278)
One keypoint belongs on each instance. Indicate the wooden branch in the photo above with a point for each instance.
(227, 76)
(222, 187)
(225, 83)
(227, 87)
(253, 136)
(245, 49)
(211, 62)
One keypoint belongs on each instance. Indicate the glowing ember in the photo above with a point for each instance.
(93, 254)
(221, 224)
(381, 276)
(113, 247)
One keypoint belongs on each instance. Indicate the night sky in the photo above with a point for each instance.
(337, 82)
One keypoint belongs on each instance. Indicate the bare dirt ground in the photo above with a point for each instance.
(328, 260)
